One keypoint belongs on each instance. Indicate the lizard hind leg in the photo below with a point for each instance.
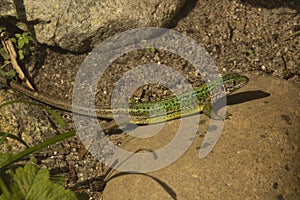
(209, 112)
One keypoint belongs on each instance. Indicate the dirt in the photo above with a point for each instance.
(249, 37)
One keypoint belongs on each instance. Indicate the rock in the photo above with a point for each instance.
(29, 122)
(259, 147)
(78, 26)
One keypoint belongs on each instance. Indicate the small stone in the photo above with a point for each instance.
(280, 197)
(287, 168)
(275, 185)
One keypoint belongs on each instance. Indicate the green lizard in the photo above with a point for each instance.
(163, 110)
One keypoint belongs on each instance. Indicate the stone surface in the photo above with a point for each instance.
(29, 122)
(79, 25)
(256, 156)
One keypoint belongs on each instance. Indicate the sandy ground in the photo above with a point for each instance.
(256, 156)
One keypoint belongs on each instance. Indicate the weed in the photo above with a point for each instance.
(30, 181)
(21, 42)
(250, 52)
(151, 49)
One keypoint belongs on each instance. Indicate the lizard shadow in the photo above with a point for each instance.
(240, 97)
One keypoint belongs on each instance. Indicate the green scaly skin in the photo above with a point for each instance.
(187, 103)
(173, 108)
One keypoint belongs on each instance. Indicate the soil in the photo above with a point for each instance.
(251, 37)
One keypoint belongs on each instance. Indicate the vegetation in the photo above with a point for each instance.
(29, 181)
(22, 42)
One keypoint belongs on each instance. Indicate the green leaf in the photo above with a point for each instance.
(8, 159)
(297, 33)
(10, 74)
(21, 55)
(20, 43)
(59, 120)
(3, 188)
(58, 180)
(33, 159)
(26, 41)
(12, 136)
(4, 54)
(82, 196)
(24, 34)
(4, 136)
(18, 35)
(250, 52)
(2, 29)
(32, 183)
(151, 49)
(14, 40)
(29, 38)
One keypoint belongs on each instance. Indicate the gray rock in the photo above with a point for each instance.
(78, 26)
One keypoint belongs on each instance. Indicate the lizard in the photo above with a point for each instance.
(163, 110)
